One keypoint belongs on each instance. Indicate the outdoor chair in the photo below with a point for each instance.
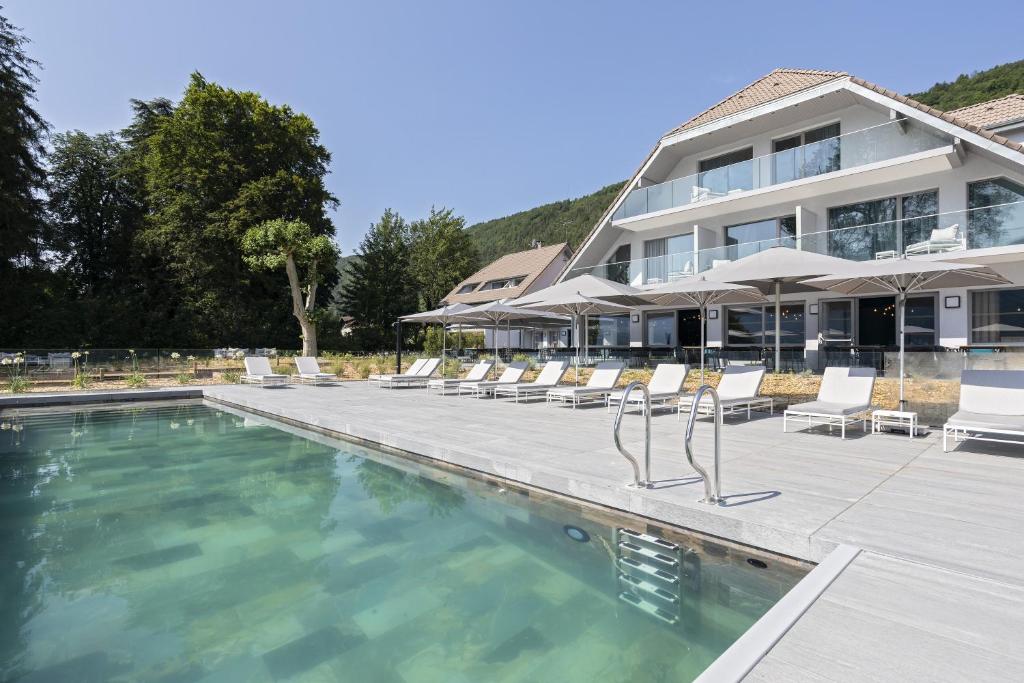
(666, 384)
(844, 394)
(941, 240)
(548, 378)
(257, 371)
(476, 374)
(409, 372)
(419, 379)
(739, 389)
(991, 408)
(512, 374)
(602, 382)
(309, 371)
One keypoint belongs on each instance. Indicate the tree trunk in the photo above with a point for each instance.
(301, 311)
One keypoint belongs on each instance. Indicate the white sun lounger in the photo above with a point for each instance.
(476, 374)
(739, 389)
(309, 371)
(512, 374)
(666, 384)
(602, 382)
(257, 371)
(991, 408)
(548, 378)
(409, 372)
(419, 379)
(844, 394)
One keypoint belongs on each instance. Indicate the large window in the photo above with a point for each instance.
(997, 316)
(608, 330)
(755, 325)
(689, 327)
(726, 172)
(806, 154)
(504, 283)
(668, 258)
(865, 230)
(618, 267)
(750, 238)
(919, 327)
(661, 329)
(996, 215)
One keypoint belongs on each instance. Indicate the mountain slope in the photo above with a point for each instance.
(566, 221)
(979, 86)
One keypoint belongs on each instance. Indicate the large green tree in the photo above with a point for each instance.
(219, 163)
(378, 287)
(441, 256)
(23, 279)
(291, 245)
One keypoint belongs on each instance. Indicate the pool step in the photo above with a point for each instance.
(650, 574)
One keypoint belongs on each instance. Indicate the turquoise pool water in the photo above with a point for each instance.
(185, 543)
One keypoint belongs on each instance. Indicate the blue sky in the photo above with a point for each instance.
(486, 107)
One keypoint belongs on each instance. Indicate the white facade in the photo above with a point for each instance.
(917, 171)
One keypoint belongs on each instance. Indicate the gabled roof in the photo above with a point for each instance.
(993, 113)
(527, 264)
(779, 83)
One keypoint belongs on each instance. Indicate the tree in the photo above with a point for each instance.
(293, 245)
(217, 164)
(378, 288)
(22, 177)
(442, 255)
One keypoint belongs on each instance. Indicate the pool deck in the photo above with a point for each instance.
(936, 595)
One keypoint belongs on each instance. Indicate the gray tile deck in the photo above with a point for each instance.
(937, 595)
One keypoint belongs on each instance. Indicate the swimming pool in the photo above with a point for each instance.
(188, 543)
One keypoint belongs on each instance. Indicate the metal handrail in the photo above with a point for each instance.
(712, 493)
(637, 481)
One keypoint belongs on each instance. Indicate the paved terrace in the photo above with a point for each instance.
(937, 594)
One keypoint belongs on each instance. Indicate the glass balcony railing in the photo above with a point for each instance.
(858, 148)
(992, 226)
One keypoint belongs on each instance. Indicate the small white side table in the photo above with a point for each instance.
(894, 418)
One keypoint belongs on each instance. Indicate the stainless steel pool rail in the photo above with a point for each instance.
(637, 481)
(712, 486)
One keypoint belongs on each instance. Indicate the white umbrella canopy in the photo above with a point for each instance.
(778, 271)
(585, 285)
(699, 291)
(903, 276)
(441, 316)
(497, 312)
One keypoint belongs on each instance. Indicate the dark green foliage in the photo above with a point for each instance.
(379, 286)
(569, 220)
(979, 86)
(441, 255)
(22, 177)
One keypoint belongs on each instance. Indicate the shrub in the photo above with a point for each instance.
(18, 385)
(136, 380)
(231, 377)
(183, 378)
(531, 363)
(81, 381)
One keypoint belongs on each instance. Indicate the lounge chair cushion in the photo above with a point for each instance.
(983, 421)
(992, 392)
(828, 408)
(578, 391)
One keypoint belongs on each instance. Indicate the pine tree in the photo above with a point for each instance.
(378, 288)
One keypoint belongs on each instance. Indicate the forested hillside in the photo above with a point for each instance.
(566, 221)
(979, 86)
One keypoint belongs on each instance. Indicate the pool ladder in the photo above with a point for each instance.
(652, 572)
(712, 484)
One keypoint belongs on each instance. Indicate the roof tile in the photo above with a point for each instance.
(994, 112)
(530, 264)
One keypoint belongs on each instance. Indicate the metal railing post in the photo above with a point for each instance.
(712, 486)
(637, 481)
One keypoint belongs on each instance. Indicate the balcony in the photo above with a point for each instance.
(882, 142)
(1000, 225)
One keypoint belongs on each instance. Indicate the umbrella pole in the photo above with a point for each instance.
(444, 349)
(703, 317)
(586, 338)
(576, 339)
(778, 325)
(494, 368)
(903, 318)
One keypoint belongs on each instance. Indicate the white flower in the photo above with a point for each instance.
(239, 355)
(190, 358)
(175, 355)
(76, 355)
(131, 352)
(18, 360)
(6, 361)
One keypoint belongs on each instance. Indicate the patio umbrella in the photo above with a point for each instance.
(576, 305)
(902, 276)
(701, 292)
(498, 312)
(778, 271)
(442, 316)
